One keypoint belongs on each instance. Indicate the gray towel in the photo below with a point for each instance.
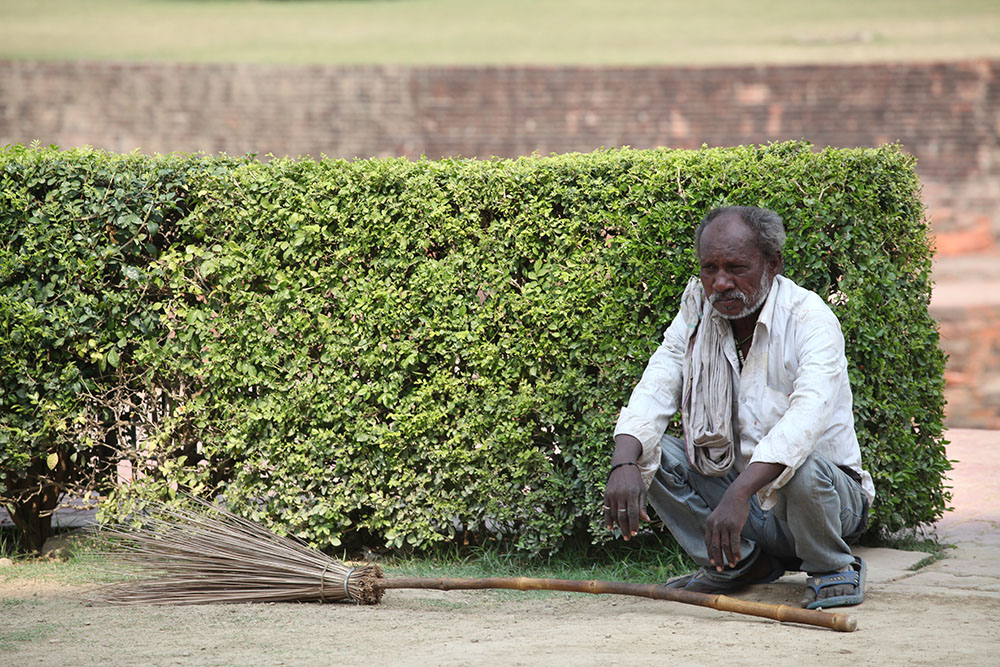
(707, 399)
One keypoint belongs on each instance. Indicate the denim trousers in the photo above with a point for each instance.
(818, 512)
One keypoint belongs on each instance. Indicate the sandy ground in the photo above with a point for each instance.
(49, 624)
(944, 613)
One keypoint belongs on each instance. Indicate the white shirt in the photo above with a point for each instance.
(793, 394)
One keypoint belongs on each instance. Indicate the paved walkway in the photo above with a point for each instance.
(973, 526)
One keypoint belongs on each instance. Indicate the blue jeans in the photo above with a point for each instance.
(818, 511)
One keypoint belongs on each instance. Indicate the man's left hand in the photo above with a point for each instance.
(723, 529)
(722, 532)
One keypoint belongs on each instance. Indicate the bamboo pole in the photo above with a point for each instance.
(777, 612)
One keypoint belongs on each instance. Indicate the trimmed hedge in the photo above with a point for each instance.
(408, 353)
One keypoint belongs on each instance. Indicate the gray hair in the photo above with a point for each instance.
(766, 225)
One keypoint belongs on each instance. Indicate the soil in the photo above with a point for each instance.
(46, 623)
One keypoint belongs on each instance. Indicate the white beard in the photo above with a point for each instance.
(751, 302)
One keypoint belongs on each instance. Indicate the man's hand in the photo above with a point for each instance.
(625, 494)
(722, 531)
(625, 501)
(725, 523)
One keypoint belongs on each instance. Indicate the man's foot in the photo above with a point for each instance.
(836, 589)
(763, 571)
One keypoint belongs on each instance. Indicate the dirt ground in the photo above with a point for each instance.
(51, 624)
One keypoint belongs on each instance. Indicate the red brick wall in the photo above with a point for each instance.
(946, 114)
(970, 336)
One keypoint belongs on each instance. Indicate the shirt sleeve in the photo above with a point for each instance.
(656, 398)
(819, 347)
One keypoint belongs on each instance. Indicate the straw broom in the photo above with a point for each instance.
(207, 554)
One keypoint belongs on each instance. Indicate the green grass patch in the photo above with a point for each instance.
(73, 571)
(9, 544)
(909, 539)
(9, 638)
(628, 32)
(912, 539)
(77, 564)
(649, 558)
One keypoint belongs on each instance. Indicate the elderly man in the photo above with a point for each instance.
(768, 476)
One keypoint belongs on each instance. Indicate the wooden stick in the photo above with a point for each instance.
(777, 612)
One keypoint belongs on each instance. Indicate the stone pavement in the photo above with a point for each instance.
(972, 568)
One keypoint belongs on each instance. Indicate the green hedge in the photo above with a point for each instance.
(407, 353)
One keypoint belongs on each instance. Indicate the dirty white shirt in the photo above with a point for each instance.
(793, 396)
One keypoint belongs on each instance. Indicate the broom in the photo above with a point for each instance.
(184, 556)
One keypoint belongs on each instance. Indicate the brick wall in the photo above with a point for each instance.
(970, 336)
(947, 114)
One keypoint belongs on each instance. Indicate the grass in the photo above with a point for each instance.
(74, 571)
(649, 558)
(9, 638)
(76, 568)
(445, 32)
(913, 539)
(9, 545)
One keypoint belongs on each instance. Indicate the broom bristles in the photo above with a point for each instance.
(181, 556)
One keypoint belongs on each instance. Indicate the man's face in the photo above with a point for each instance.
(734, 272)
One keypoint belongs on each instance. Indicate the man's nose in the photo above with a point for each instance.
(723, 281)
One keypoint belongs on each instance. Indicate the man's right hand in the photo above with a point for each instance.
(625, 494)
(625, 501)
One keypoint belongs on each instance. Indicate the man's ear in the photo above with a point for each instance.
(776, 264)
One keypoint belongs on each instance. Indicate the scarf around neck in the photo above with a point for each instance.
(707, 399)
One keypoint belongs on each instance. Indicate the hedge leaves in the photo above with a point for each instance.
(408, 353)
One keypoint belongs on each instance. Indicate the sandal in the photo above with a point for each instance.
(855, 577)
(706, 581)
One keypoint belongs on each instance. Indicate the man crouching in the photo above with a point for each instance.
(768, 477)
